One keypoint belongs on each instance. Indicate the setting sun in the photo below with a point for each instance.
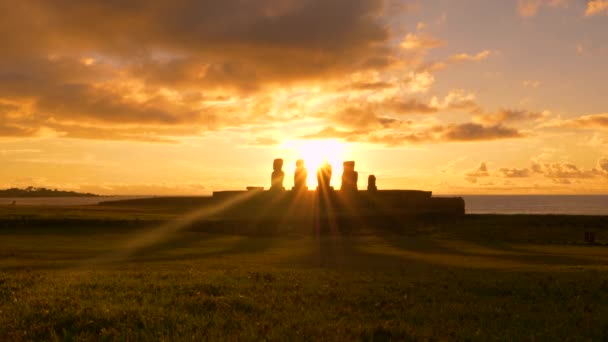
(315, 152)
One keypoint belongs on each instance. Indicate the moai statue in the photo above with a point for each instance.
(371, 183)
(276, 179)
(324, 177)
(349, 177)
(299, 177)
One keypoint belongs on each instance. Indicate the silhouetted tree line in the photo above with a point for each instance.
(31, 191)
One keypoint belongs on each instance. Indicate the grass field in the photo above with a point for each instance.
(89, 273)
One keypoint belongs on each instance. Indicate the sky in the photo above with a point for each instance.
(185, 97)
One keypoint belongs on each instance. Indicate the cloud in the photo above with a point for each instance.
(376, 115)
(602, 165)
(567, 171)
(592, 122)
(529, 8)
(589, 121)
(368, 85)
(476, 132)
(99, 67)
(363, 118)
(399, 139)
(479, 172)
(409, 133)
(330, 133)
(510, 116)
(559, 173)
(515, 173)
(216, 42)
(420, 42)
(419, 82)
(13, 131)
(457, 99)
(406, 106)
(596, 141)
(463, 57)
(597, 7)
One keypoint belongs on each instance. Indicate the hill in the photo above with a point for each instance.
(42, 192)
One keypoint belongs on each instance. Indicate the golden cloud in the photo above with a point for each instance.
(596, 7)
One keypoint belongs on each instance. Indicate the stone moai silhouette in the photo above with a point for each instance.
(299, 176)
(324, 177)
(277, 177)
(371, 183)
(349, 177)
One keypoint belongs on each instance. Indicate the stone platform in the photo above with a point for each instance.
(305, 205)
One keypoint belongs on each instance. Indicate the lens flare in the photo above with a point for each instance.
(315, 153)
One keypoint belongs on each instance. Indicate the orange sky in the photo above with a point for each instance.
(187, 97)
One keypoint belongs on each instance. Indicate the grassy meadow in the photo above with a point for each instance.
(91, 273)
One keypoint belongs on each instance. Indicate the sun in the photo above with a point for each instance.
(316, 152)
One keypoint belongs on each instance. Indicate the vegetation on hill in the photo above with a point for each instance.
(31, 191)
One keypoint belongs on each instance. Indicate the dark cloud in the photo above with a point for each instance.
(563, 172)
(363, 118)
(80, 63)
(152, 70)
(406, 133)
(7, 107)
(589, 121)
(515, 173)
(479, 172)
(602, 164)
(235, 42)
(397, 139)
(477, 132)
(567, 171)
(13, 131)
(362, 85)
(409, 106)
(559, 173)
(509, 116)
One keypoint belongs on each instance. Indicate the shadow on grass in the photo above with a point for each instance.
(472, 254)
(190, 246)
(180, 247)
(348, 252)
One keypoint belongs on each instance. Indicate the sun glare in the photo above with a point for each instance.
(315, 152)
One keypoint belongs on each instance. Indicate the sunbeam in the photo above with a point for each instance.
(160, 233)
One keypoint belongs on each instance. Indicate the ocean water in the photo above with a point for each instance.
(475, 204)
(537, 204)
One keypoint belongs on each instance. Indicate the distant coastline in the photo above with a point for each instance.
(30, 192)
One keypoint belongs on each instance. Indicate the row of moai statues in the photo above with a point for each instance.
(350, 177)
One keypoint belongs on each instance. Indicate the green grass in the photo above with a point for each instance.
(481, 278)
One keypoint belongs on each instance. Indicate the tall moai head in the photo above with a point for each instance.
(324, 176)
(300, 175)
(277, 164)
(349, 165)
(371, 183)
(350, 177)
(277, 177)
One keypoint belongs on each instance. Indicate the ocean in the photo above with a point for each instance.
(475, 204)
(537, 204)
